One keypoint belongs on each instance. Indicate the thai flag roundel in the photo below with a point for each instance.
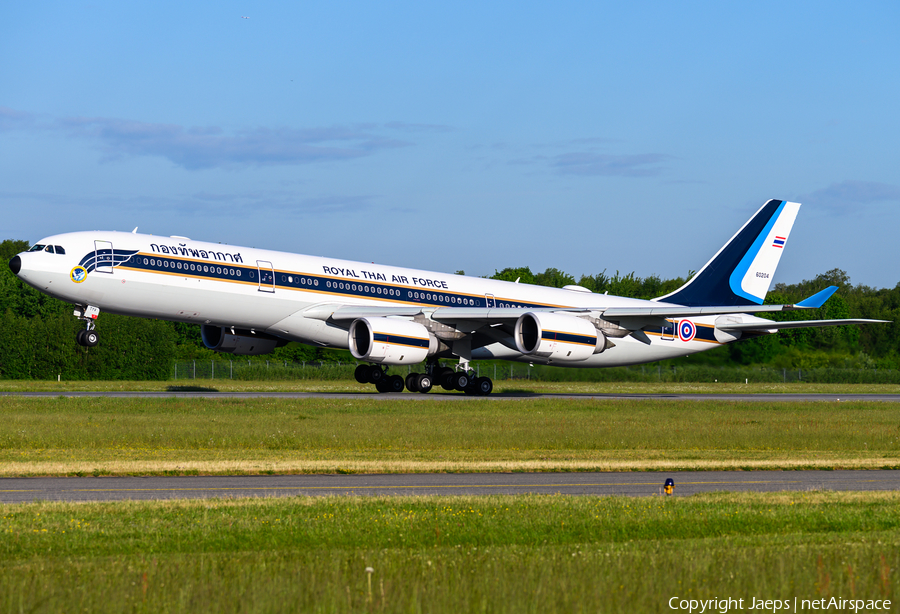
(686, 330)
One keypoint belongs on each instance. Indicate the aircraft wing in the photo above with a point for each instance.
(632, 318)
(742, 326)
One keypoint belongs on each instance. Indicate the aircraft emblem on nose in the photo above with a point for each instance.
(78, 274)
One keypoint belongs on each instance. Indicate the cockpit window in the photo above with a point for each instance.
(49, 249)
(59, 249)
(36, 248)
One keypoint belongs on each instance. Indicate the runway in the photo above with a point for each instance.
(635, 484)
(182, 393)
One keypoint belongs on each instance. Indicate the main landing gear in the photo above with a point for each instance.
(87, 337)
(464, 381)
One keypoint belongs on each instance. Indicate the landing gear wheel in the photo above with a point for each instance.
(423, 384)
(483, 386)
(394, 384)
(90, 338)
(79, 337)
(362, 374)
(376, 375)
(412, 381)
(440, 371)
(381, 385)
(446, 379)
(439, 377)
(460, 380)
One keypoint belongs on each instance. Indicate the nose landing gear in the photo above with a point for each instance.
(87, 337)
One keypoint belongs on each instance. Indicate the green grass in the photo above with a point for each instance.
(447, 554)
(66, 436)
(500, 387)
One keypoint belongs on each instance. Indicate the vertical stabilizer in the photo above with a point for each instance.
(741, 272)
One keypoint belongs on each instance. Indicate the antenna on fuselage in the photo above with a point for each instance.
(134, 232)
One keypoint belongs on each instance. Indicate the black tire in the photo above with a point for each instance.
(446, 380)
(424, 383)
(381, 385)
(376, 374)
(91, 338)
(460, 380)
(484, 386)
(439, 371)
(395, 383)
(79, 337)
(362, 374)
(412, 382)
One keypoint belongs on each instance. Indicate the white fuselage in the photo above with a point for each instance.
(279, 293)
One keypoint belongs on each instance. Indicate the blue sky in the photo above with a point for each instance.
(577, 135)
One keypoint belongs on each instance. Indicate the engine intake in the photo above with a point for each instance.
(557, 336)
(391, 341)
(240, 342)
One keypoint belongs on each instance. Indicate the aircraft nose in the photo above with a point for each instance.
(15, 265)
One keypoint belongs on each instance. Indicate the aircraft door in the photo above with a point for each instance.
(103, 256)
(489, 301)
(266, 276)
(668, 331)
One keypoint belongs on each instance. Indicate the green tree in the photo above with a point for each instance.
(554, 278)
(522, 274)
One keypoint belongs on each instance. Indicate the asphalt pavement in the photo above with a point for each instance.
(636, 484)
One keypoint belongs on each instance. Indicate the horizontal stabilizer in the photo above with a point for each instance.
(818, 299)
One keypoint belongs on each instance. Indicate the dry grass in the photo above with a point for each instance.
(282, 467)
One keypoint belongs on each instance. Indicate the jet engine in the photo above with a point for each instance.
(391, 341)
(241, 342)
(557, 337)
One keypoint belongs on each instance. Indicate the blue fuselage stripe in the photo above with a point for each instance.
(288, 280)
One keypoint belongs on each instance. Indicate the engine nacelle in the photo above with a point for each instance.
(245, 343)
(558, 337)
(391, 341)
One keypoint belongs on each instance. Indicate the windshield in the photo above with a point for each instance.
(36, 248)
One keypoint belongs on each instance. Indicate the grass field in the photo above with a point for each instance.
(445, 554)
(437, 554)
(108, 436)
(500, 386)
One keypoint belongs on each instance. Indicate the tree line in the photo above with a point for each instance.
(38, 332)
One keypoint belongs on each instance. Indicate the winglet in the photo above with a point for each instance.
(818, 299)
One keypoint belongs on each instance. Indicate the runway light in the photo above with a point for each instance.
(669, 486)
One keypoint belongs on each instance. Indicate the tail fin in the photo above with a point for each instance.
(741, 272)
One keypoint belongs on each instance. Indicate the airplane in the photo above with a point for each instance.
(249, 301)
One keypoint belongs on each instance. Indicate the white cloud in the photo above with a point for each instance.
(210, 147)
(848, 196)
(619, 165)
(10, 119)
